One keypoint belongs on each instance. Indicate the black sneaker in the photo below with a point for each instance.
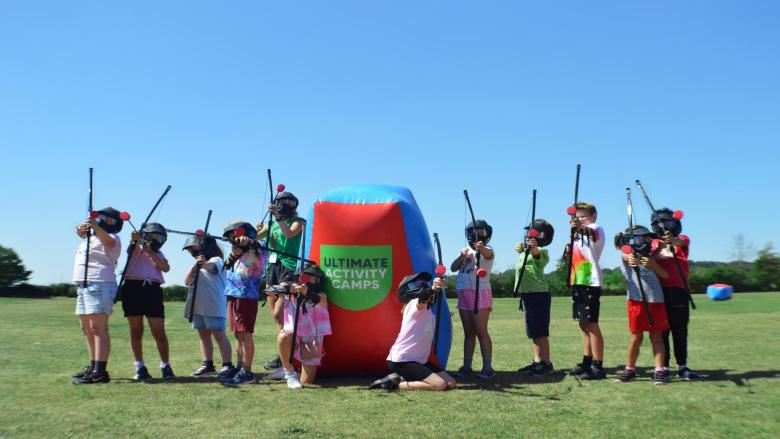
(688, 375)
(463, 372)
(660, 377)
(626, 375)
(529, 367)
(389, 383)
(227, 373)
(595, 373)
(82, 372)
(205, 369)
(579, 369)
(274, 364)
(141, 374)
(167, 373)
(93, 377)
(242, 377)
(542, 369)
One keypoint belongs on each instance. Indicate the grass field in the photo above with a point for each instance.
(733, 344)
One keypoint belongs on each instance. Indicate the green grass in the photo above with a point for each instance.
(734, 344)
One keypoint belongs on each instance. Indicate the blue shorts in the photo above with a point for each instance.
(537, 314)
(96, 298)
(208, 322)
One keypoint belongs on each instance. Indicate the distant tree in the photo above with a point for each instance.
(766, 269)
(741, 249)
(12, 270)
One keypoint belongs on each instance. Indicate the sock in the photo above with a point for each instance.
(92, 364)
(682, 366)
(598, 364)
(227, 364)
(467, 363)
(100, 366)
(138, 364)
(587, 360)
(630, 368)
(659, 370)
(208, 363)
(247, 370)
(163, 364)
(239, 366)
(289, 372)
(487, 365)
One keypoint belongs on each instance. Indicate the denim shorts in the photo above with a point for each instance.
(208, 322)
(96, 298)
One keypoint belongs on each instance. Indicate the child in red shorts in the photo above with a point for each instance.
(642, 276)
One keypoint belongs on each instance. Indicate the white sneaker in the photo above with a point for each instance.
(277, 374)
(292, 381)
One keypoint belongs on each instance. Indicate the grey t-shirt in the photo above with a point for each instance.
(650, 283)
(210, 300)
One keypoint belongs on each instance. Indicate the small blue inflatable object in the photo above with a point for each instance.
(720, 291)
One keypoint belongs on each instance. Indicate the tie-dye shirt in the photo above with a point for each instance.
(585, 262)
(243, 279)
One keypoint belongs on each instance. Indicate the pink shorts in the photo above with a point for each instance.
(466, 299)
(308, 350)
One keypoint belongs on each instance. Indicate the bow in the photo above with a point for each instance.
(197, 272)
(572, 210)
(531, 233)
(626, 249)
(440, 271)
(479, 254)
(89, 231)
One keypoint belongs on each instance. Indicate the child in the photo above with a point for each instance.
(535, 296)
(676, 291)
(586, 289)
(313, 326)
(475, 326)
(638, 320)
(245, 269)
(408, 358)
(210, 310)
(95, 301)
(285, 236)
(142, 296)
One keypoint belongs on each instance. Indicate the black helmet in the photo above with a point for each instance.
(248, 230)
(544, 232)
(110, 212)
(198, 240)
(663, 220)
(155, 242)
(417, 285)
(636, 239)
(288, 206)
(482, 233)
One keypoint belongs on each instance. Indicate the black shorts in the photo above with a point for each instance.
(537, 314)
(142, 300)
(412, 370)
(278, 273)
(586, 303)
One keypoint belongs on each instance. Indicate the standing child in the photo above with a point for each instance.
(676, 290)
(143, 296)
(638, 319)
(312, 327)
(210, 310)
(475, 326)
(245, 267)
(285, 236)
(586, 290)
(95, 301)
(408, 358)
(535, 295)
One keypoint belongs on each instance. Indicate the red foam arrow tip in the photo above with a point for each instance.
(200, 232)
(626, 249)
(304, 277)
(240, 232)
(280, 187)
(125, 216)
(571, 210)
(533, 233)
(481, 272)
(94, 214)
(440, 270)
(678, 214)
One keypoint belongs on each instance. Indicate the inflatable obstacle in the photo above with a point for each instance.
(720, 291)
(367, 238)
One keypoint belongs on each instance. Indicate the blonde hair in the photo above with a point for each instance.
(587, 207)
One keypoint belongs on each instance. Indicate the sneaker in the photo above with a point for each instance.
(167, 373)
(688, 375)
(141, 374)
(388, 383)
(292, 381)
(242, 377)
(277, 374)
(594, 373)
(227, 373)
(528, 368)
(93, 377)
(660, 377)
(626, 375)
(579, 369)
(463, 372)
(82, 372)
(205, 369)
(542, 369)
(486, 373)
(274, 364)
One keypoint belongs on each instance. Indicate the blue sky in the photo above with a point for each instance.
(495, 97)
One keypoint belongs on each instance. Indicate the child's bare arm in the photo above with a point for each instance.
(651, 264)
(105, 238)
(159, 262)
(460, 260)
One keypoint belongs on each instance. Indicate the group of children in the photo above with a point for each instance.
(224, 292)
